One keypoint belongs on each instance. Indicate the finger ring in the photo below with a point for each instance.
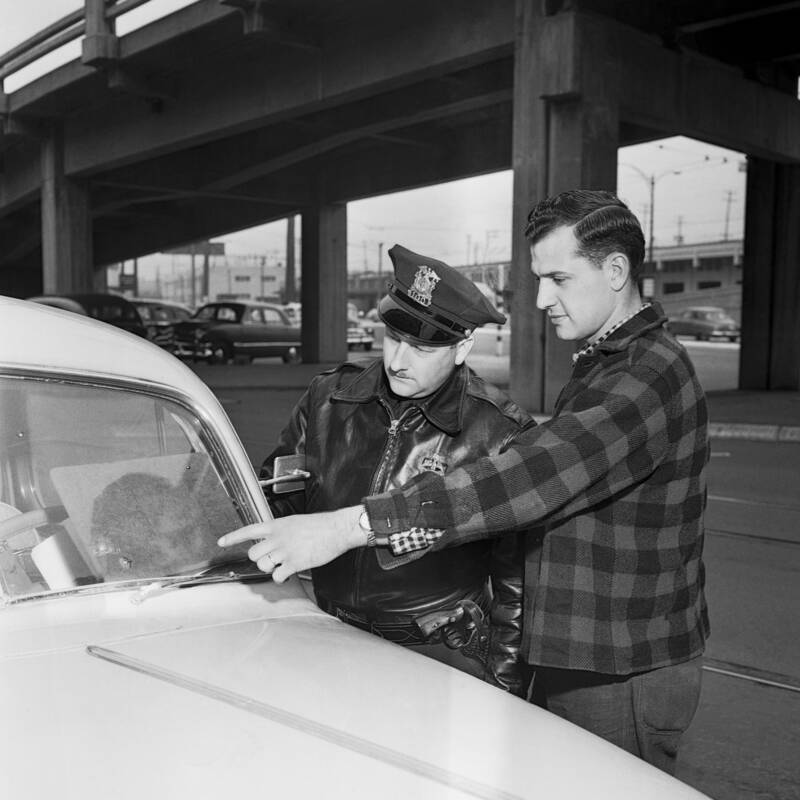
(271, 560)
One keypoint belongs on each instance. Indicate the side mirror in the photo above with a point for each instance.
(289, 474)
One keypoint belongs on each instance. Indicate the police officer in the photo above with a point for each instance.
(368, 427)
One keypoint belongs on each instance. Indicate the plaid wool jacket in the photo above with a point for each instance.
(617, 476)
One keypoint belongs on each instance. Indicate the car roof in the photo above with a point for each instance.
(99, 348)
(256, 303)
(88, 297)
(155, 301)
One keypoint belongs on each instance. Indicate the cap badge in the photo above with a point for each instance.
(424, 283)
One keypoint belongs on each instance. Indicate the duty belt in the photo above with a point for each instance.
(456, 625)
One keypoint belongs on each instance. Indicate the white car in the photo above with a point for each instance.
(139, 660)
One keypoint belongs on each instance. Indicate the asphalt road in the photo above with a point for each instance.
(745, 740)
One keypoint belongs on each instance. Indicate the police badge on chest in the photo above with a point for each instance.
(433, 463)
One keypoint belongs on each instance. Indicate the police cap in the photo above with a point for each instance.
(430, 303)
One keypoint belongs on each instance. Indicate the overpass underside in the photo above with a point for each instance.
(219, 118)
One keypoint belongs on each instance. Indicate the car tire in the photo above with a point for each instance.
(221, 353)
(292, 356)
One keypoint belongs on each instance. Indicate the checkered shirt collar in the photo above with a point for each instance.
(590, 347)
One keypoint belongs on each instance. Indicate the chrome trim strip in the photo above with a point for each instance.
(326, 732)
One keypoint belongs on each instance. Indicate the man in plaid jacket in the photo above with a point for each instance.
(616, 617)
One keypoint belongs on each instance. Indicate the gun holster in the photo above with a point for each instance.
(458, 627)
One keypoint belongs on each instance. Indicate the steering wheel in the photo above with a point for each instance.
(31, 519)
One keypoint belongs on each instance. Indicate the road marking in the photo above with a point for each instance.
(752, 674)
(743, 502)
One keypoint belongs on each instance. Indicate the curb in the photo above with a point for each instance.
(754, 432)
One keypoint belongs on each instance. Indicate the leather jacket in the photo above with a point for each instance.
(360, 439)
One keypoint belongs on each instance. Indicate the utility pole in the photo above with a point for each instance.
(728, 202)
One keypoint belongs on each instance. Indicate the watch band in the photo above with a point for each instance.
(373, 540)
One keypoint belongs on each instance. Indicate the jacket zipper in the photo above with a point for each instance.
(378, 481)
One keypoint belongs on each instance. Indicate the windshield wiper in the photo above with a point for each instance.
(160, 585)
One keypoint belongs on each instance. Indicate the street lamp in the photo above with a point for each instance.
(651, 182)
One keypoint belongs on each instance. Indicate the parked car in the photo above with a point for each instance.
(138, 659)
(360, 334)
(241, 330)
(160, 318)
(294, 311)
(111, 308)
(706, 322)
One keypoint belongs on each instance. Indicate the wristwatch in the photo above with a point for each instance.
(373, 540)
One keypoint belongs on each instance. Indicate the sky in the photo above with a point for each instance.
(699, 188)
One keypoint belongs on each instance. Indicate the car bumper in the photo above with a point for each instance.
(191, 350)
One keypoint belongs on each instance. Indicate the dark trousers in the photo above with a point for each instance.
(645, 713)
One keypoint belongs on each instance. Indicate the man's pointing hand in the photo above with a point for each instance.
(289, 545)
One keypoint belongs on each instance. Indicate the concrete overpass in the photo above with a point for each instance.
(231, 113)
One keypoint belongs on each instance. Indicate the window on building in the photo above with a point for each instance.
(676, 265)
(715, 263)
(708, 284)
(242, 278)
(673, 288)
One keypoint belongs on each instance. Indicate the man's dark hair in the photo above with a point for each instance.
(603, 224)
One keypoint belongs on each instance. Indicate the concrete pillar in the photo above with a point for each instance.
(565, 135)
(100, 45)
(290, 289)
(67, 258)
(770, 352)
(324, 288)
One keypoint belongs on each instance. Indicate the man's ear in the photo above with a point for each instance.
(619, 270)
(463, 348)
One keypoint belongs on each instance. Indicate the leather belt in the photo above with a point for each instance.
(399, 630)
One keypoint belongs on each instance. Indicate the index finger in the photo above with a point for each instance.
(246, 534)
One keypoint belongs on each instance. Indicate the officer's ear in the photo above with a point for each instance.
(463, 348)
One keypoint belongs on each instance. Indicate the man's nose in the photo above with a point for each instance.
(398, 359)
(543, 297)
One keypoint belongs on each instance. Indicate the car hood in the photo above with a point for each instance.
(178, 696)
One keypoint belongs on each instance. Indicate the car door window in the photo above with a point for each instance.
(253, 316)
(104, 484)
(207, 312)
(226, 314)
(273, 318)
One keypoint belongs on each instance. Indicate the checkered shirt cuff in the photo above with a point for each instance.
(414, 539)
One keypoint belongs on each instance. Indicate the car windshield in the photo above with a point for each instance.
(102, 486)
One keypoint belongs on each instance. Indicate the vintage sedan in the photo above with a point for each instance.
(160, 317)
(111, 308)
(140, 660)
(705, 323)
(360, 335)
(237, 330)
